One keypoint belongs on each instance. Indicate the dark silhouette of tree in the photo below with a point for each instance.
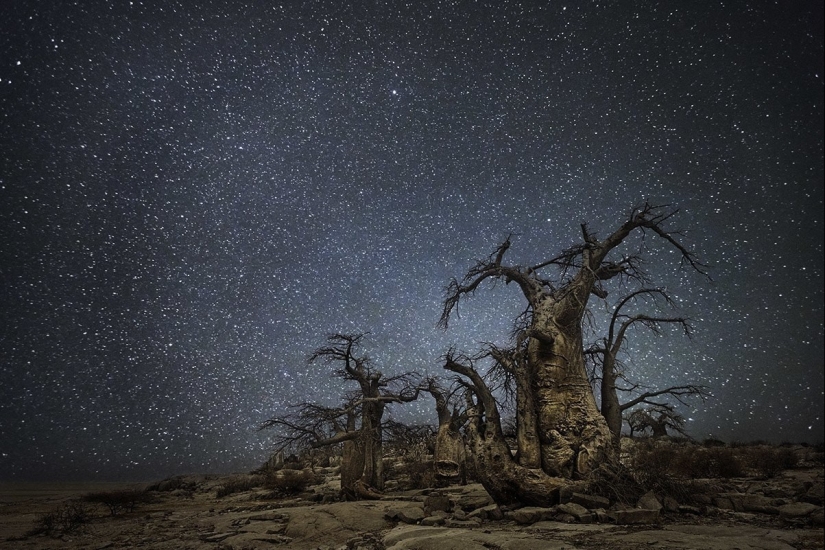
(356, 424)
(656, 418)
(562, 432)
(609, 369)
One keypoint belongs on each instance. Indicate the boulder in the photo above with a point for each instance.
(590, 501)
(531, 514)
(797, 510)
(472, 496)
(636, 516)
(742, 502)
(410, 515)
(649, 501)
(670, 504)
(578, 511)
(489, 512)
(434, 503)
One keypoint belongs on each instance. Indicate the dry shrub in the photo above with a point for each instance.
(671, 469)
(66, 519)
(239, 485)
(712, 462)
(771, 461)
(288, 482)
(618, 484)
(119, 501)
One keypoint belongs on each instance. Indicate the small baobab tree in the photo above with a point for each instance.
(356, 424)
(656, 418)
(609, 369)
(449, 455)
(564, 435)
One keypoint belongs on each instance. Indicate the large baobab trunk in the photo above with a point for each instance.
(352, 459)
(372, 439)
(503, 477)
(573, 435)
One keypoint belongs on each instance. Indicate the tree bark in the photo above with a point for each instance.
(573, 434)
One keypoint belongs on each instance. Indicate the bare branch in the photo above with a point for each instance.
(678, 392)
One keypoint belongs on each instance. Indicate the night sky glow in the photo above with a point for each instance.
(193, 194)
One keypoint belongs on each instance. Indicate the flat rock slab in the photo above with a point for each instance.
(706, 537)
(410, 537)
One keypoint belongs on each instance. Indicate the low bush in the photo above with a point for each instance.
(119, 502)
(771, 461)
(68, 518)
(288, 482)
(239, 485)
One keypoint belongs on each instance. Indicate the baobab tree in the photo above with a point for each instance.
(357, 423)
(449, 456)
(565, 436)
(609, 369)
(656, 418)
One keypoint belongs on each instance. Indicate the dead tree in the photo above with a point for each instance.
(610, 368)
(565, 434)
(357, 424)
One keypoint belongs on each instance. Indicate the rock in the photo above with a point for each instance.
(270, 516)
(450, 522)
(636, 516)
(433, 503)
(433, 520)
(530, 514)
(471, 497)
(797, 510)
(410, 515)
(670, 504)
(742, 502)
(649, 501)
(578, 511)
(217, 538)
(442, 538)
(817, 518)
(490, 512)
(589, 501)
(602, 516)
(814, 495)
(706, 537)
(684, 509)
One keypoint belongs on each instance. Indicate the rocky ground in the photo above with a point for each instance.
(781, 513)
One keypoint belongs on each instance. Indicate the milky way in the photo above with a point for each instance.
(194, 194)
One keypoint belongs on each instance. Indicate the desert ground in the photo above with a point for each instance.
(234, 512)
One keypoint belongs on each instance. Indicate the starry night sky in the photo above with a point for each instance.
(194, 194)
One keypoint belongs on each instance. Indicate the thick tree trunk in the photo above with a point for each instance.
(573, 434)
(529, 446)
(503, 478)
(373, 473)
(352, 462)
(449, 457)
(352, 467)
